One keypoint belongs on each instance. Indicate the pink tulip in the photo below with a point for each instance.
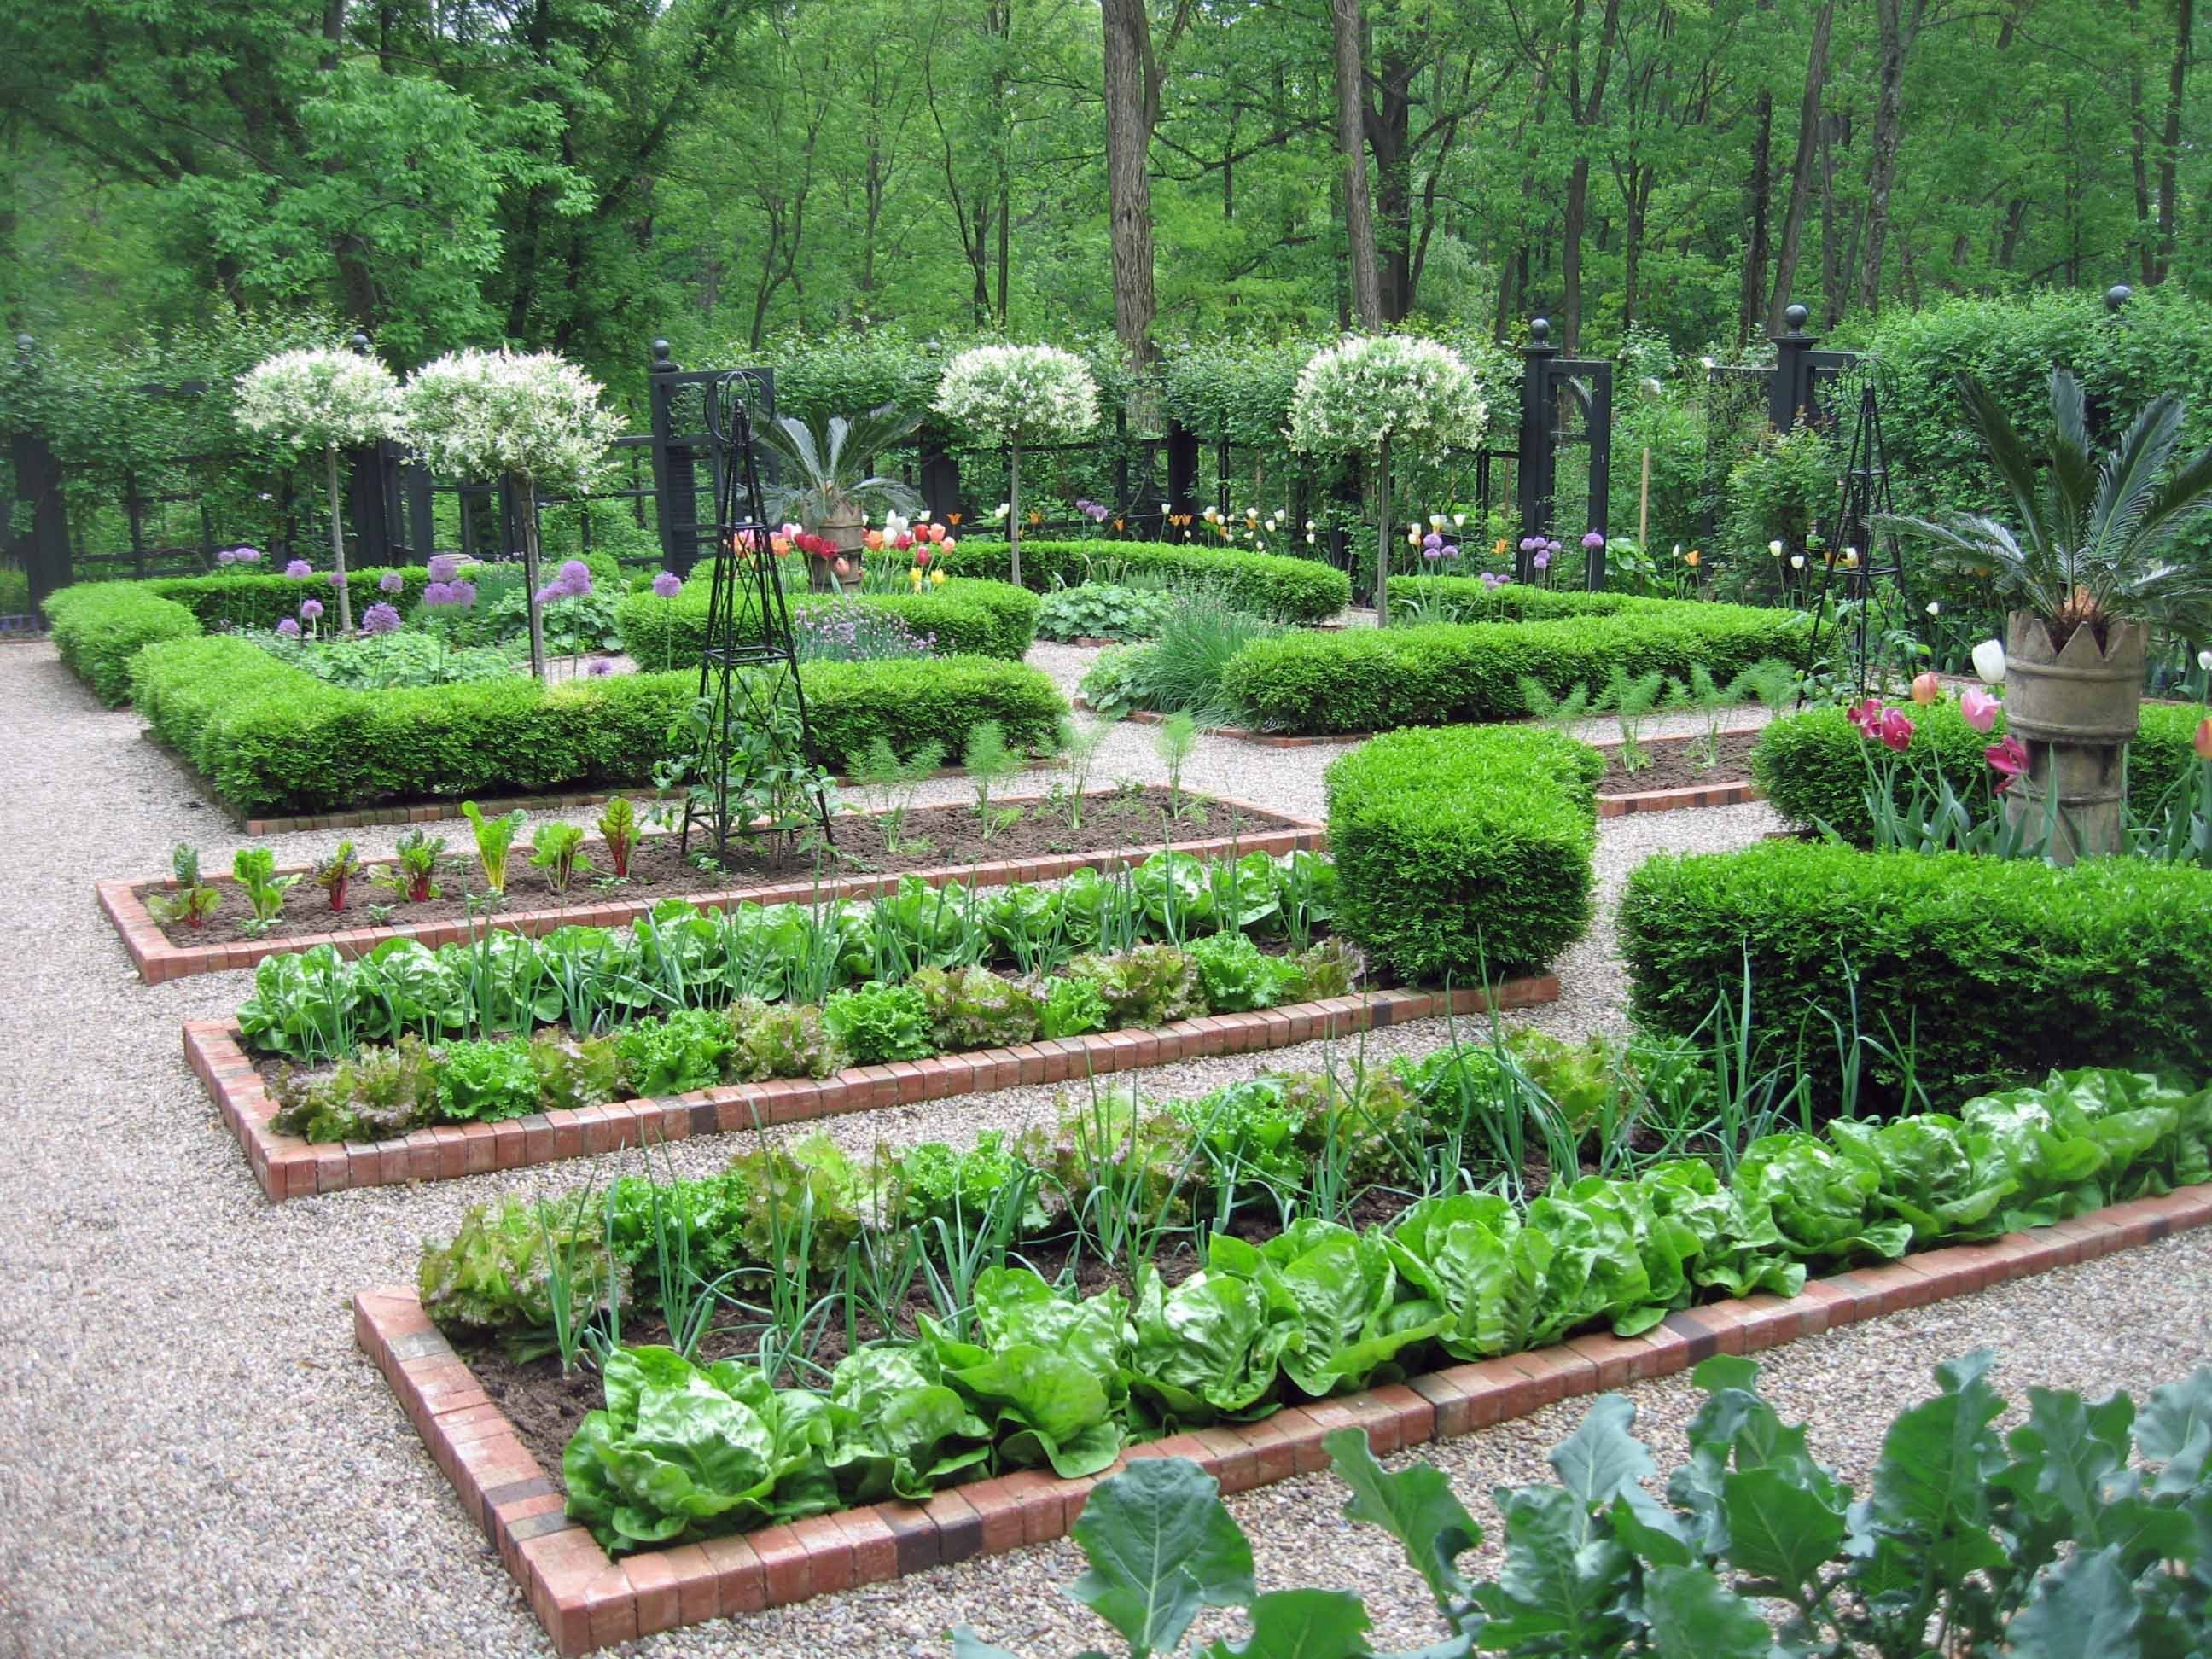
(1978, 707)
(1895, 730)
(2009, 759)
(1867, 717)
(1926, 689)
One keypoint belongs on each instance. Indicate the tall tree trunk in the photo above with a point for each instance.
(2139, 163)
(1127, 54)
(1389, 136)
(2169, 150)
(1345, 23)
(1587, 110)
(1757, 188)
(1895, 26)
(1571, 255)
(1800, 166)
(1641, 178)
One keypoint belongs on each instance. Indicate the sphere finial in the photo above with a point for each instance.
(1540, 331)
(2118, 296)
(1795, 316)
(360, 344)
(660, 355)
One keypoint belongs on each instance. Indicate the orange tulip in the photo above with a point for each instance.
(2203, 739)
(1692, 558)
(1926, 689)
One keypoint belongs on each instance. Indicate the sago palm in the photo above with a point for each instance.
(2097, 537)
(824, 462)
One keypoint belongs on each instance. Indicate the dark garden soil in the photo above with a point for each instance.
(1671, 765)
(934, 836)
(546, 1408)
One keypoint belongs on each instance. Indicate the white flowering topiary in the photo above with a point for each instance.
(1019, 394)
(485, 414)
(1412, 394)
(535, 418)
(1370, 395)
(326, 400)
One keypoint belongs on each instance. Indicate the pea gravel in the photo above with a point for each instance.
(194, 1459)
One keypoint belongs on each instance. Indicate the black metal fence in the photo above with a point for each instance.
(74, 520)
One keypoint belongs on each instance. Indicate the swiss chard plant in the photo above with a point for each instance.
(557, 849)
(495, 836)
(617, 828)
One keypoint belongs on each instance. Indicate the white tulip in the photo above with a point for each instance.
(1458, 520)
(1934, 609)
(2204, 661)
(1774, 547)
(1990, 662)
(1797, 560)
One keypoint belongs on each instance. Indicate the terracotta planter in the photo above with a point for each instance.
(848, 533)
(2077, 710)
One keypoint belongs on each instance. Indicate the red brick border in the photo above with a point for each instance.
(586, 1600)
(288, 1167)
(158, 961)
(1671, 800)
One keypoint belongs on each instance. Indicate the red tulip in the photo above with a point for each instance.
(2009, 758)
(1867, 716)
(1896, 730)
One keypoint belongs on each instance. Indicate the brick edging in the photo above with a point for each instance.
(586, 1600)
(1671, 800)
(289, 1167)
(158, 961)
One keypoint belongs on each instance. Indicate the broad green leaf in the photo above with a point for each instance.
(1555, 1587)
(1416, 1506)
(1931, 1482)
(1302, 1624)
(1779, 1531)
(2075, 1450)
(1600, 1459)
(2177, 1431)
(1161, 1546)
(966, 1645)
(2083, 1608)
(1694, 1616)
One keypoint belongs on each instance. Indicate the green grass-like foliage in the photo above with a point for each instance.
(1378, 680)
(1291, 590)
(969, 618)
(1464, 853)
(99, 628)
(1813, 766)
(271, 737)
(2073, 1534)
(1988, 969)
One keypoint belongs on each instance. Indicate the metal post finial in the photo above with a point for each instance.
(360, 344)
(662, 364)
(2118, 296)
(1794, 318)
(1540, 331)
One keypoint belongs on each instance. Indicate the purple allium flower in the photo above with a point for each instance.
(1450, 551)
(1491, 579)
(1593, 541)
(290, 628)
(1530, 544)
(226, 556)
(463, 593)
(334, 579)
(309, 609)
(436, 594)
(390, 582)
(600, 668)
(1431, 543)
(577, 575)
(247, 555)
(298, 568)
(667, 585)
(444, 566)
(379, 618)
(1541, 557)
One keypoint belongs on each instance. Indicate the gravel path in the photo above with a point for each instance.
(194, 1460)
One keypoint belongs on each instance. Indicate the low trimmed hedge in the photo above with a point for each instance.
(1291, 590)
(1813, 766)
(1464, 852)
(1370, 679)
(99, 627)
(1991, 969)
(263, 598)
(969, 617)
(269, 738)
(1510, 601)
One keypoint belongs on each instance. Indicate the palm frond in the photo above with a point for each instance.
(2008, 454)
(2129, 475)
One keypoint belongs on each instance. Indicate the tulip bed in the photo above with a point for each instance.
(1961, 971)
(1814, 767)
(1290, 590)
(269, 738)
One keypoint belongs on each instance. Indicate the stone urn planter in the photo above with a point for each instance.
(2075, 710)
(848, 531)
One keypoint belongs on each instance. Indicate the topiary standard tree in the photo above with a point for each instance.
(1018, 395)
(1365, 395)
(326, 400)
(534, 419)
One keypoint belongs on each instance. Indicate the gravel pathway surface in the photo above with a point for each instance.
(194, 1460)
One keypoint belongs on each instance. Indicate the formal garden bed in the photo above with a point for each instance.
(1053, 836)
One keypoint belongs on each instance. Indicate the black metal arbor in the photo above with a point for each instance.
(1862, 550)
(752, 704)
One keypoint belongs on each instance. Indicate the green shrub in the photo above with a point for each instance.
(1376, 680)
(1471, 600)
(1288, 589)
(98, 627)
(1464, 853)
(1989, 970)
(263, 598)
(1813, 766)
(272, 739)
(968, 618)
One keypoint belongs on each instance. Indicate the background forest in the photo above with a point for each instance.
(583, 175)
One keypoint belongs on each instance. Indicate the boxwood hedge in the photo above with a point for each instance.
(1377, 680)
(99, 627)
(1813, 766)
(269, 738)
(262, 600)
(1987, 969)
(1464, 852)
(1291, 590)
(1470, 599)
(969, 617)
